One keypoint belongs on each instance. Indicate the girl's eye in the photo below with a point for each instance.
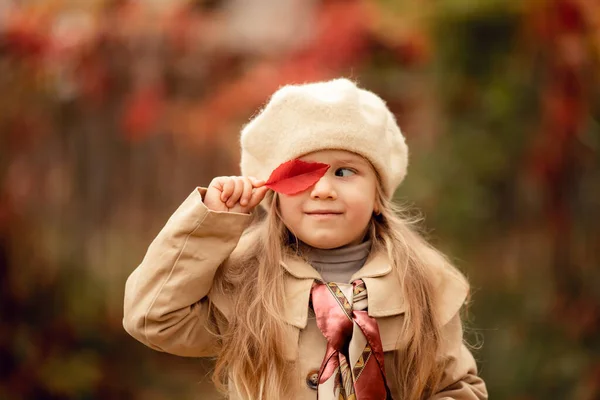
(344, 172)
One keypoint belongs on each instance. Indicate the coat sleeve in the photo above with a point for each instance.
(460, 380)
(166, 304)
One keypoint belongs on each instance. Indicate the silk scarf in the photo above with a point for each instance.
(353, 367)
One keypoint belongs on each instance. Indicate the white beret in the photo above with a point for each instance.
(301, 119)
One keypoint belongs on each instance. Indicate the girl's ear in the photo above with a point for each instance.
(377, 208)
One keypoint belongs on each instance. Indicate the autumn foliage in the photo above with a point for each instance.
(112, 111)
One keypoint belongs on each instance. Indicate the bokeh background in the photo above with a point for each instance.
(112, 111)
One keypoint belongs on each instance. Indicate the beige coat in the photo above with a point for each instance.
(167, 300)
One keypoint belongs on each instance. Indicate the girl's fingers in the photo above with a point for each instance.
(257, 196)
(227, 191)
(247, 192)
(237, 192)
(256, 182)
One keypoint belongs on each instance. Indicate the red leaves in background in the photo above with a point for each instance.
(295, 176)
(22, 37)
(143, 112)
(23, 43)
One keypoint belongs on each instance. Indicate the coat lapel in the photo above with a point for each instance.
(298, 282)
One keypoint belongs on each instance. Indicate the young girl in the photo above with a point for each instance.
(329, 295)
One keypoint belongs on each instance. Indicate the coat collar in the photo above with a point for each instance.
(384, 294)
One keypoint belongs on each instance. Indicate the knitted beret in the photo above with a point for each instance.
(301, 119)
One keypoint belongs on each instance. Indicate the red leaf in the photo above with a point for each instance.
(143, 112)
(296, 176)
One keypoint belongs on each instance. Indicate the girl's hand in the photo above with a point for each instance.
(238, 194)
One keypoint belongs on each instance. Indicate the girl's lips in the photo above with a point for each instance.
(325, 215)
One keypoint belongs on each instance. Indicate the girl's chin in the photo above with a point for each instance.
(325, 244)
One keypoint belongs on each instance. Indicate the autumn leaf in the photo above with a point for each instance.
(23, 42)
(142, 112)
(295, 176)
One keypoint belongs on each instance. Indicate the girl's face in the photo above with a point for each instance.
(336, 210)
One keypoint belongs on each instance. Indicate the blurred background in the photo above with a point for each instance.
(112, 111)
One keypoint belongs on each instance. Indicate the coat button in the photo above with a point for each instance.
(312, 379)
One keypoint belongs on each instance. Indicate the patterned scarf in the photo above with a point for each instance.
(353, 367)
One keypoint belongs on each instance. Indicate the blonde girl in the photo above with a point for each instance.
(329, 294)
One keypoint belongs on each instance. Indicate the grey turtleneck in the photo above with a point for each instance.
(338, 265)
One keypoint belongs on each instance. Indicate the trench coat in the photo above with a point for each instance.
(168, 296)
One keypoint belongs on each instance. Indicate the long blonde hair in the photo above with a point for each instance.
(252, 354)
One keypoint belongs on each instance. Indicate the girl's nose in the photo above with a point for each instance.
(323, 189)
